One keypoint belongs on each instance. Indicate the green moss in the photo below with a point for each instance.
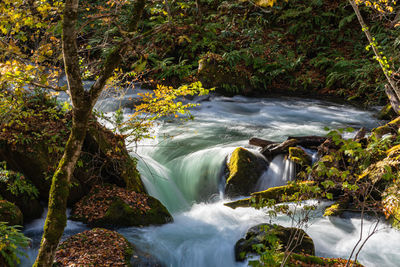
(244, 170)
(10, 213)
(263, 234)
(121, 214)
(299, 156)
(279, 194)
(390, 127)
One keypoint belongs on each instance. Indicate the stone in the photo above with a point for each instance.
(112, 206)
(261, 235)
(10, 213)
(245, 169)
(96, 247)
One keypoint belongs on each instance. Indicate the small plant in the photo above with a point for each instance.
(11, 243)
(16, 183)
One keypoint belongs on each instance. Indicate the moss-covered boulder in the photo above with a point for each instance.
(213, 71)
(278, 194)
(337, 208)
(245, 169)
(17, 189)
(97, 247)
(104, 157)
(10, 213)
(110, 205)
(299, 156)
(266, 234)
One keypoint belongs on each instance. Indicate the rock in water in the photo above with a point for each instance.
(261, 235)
(97, 247)
(10, 213)
(244, 170)
(110, 205)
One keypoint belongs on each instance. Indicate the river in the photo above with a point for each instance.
(183, 167)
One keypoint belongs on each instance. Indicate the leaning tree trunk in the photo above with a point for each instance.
(82, 103)
(56, 217)
(391, 89)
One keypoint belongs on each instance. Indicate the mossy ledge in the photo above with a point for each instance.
(278, 194)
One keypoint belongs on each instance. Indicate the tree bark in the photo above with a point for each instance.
(82, 106)
(394, 88)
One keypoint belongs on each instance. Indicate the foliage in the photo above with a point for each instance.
(16, 183)
(290, 46)
(11, 243)
(162, 102)
(29, 118)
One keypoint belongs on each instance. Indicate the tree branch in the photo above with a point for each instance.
(115, 57)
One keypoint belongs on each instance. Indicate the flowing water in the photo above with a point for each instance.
(184, 168)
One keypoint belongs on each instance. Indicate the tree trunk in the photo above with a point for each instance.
(82, 103)
(56, 217)
(394, 97)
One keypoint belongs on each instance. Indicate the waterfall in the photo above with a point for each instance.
(279, 172)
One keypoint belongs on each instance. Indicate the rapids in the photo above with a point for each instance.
(184, 168)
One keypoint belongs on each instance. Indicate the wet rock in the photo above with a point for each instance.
(96, 247)
(104, 159)
(10, 213)
(262, 234)
(244, 168)
(110, 205)
(279, 194)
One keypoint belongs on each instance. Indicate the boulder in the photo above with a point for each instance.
(245, 169)
(17, 189)
(96, 247)
(104, 158)
(10, 213)
(213, 71)
(110, 205)
(263, 234)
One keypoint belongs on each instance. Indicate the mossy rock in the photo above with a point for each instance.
(213, 71)
(299, 156)
(110, 206)
(337, 208)
(245, 169)
(29, 206)
(102, 150)
(121, 214)
(96, 247)
(10, 213)
(278, 194)
(262, 234)
(387, 113)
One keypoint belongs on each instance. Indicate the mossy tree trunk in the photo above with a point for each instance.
(82, 106)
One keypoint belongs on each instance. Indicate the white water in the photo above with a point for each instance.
(185, 173)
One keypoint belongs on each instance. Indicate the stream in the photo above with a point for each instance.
(184, 167)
